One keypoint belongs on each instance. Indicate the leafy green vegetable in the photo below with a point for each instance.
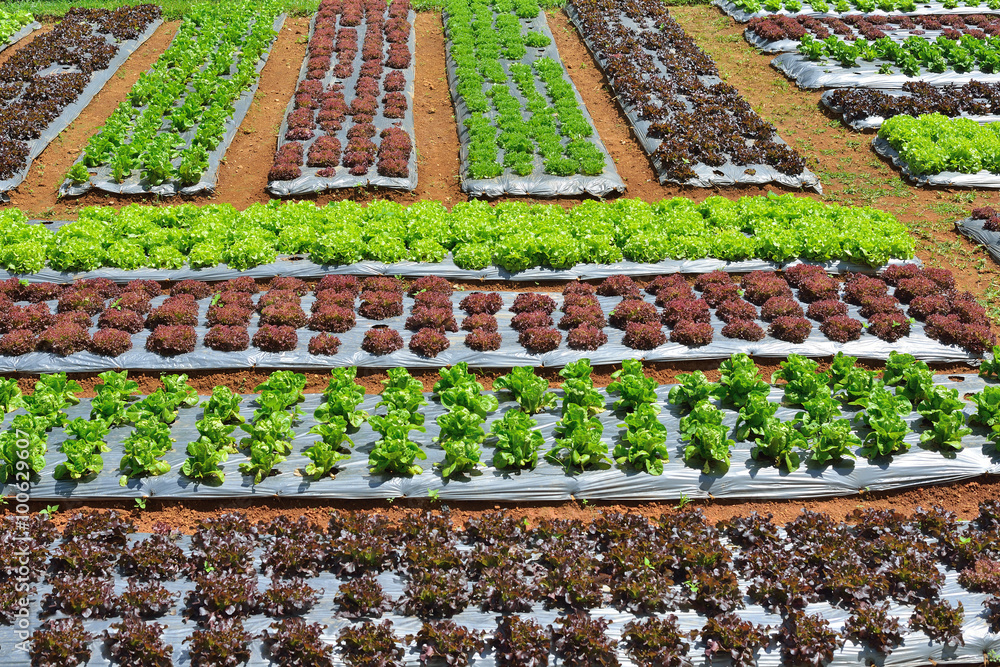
(990, 368)
(143, 448)
(517, 443)
(987, 408)
(180, 391)
(896, 366)
(857, 386)
(739, 380)
(882, 416)
(343, 396)
(755, 418)
(833, 442)
(204, 458)
(777, 444)
(403, 393)
(282, 390)
(456, 376)
(692, 390)
(840, 371)
(578, 388)
(83, 449)
(703, 429)
(632, 385)
(943, 409)
(915, 383)
(10, 397)
(224, 404)
(819, 411)
(395, 453)
(802, 377)
(529, 390)
(52, 393)
(327, 453)
(578, 440)
(25, 442)
(110, 404)
(644, 444)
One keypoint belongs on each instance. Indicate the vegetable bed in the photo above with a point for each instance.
(49, 82)
(884, 63)
(864, 109)
(15, 26)
(523, 128)
(173, 130)
(777, 34)
(637, 441)
(473, 240)
(938, 151)
(744, 11)
(316, 132)
(361, 591)
(983, 227)
(696, 129)
(138, 328)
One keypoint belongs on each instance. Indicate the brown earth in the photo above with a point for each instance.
(963, 499)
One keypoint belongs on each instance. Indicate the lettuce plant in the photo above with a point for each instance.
(529, 390)
(517, 443)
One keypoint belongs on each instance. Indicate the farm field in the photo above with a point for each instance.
(328, 335)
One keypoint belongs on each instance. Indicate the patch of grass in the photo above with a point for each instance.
(172, 9)
(949, 209)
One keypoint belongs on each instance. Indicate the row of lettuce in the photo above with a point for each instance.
(177, 113)
(819, 432)
(511, 235)
(479, 588)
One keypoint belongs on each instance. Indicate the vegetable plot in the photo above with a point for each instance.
(595, 593)
(775, 34)
(48, 82)
(811, 435)
(747, 10)
(473, 240)
(983, 227)
(170, 134)
(867, 109)
(15, 25)
(697, 129)
(227, 326)
(935, 150)
(523, 128)
(350, 121)
(884, 63)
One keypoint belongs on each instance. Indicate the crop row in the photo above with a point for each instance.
(493, 58)
(845, 6)
(933, 143)
(871, 28)
(176, 113)
(499, 573)
(28, 323)
(990, 217)
(512, 235)
(911, 56)
(318, 131)
(83, 42)
(972, 99)
(656, 74)
(11, 22)
(820, 433)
